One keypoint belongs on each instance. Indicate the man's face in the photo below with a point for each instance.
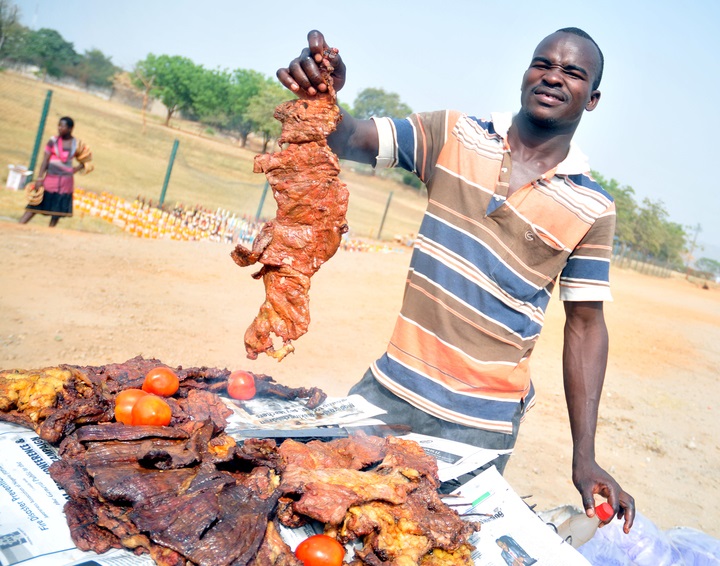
(557, 87)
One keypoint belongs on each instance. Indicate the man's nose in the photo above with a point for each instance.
(553, 75)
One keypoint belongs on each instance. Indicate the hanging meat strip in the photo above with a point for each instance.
(310, 220)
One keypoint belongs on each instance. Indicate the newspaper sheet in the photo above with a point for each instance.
(511, 534)
(454, 459)
(33, 529)
(265, 413)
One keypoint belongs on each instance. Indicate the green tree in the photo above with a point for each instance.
(95, 69)
(625, 209)
(261, 110)
(209, 97)
(673, 244)
(656, 236)
(709, 265)
(244, 85)
(649, 226)
(9, 21)
(376, 102)
(47, 49)
(173, 81)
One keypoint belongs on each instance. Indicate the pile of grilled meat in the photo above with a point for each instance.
(190, 494)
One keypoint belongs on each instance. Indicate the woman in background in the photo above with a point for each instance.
(56, 174)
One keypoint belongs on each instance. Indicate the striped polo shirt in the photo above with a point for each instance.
(484, 266)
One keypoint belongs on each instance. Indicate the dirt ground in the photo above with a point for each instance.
(80, 298)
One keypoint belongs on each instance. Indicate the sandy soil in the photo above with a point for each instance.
(73, 297)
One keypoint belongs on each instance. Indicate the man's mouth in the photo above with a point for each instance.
(549, 96)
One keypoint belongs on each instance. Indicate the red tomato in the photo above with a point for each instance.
(124, 403)
(241, 385)
(161, 381)
(151, 410)
(320, 550)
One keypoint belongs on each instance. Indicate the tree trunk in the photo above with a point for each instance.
(144, 109)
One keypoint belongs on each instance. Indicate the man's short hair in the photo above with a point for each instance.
(584, 34)
(68, 120)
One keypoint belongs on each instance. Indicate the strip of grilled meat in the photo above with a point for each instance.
(309, 224)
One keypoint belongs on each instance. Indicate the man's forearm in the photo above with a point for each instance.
(355, 140)
(584, 363)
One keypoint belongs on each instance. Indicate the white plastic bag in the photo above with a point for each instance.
(644, 545)
(599, 553)
(696, 547)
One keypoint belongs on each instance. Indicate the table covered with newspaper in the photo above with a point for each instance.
(34, 531)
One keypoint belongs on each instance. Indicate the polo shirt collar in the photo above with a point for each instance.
(576, 161)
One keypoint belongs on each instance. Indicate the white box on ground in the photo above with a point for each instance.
(17, 176)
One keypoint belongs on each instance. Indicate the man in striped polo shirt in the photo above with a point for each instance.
(511, 210)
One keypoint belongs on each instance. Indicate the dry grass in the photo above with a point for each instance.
(130, 160)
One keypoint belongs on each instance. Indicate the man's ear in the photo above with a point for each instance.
(593, 102)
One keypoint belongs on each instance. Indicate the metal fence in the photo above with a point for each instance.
(641, 263)
(186, 165)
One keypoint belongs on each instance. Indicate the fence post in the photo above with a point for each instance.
(262, 201)
(39, 135)
(169, 170)
(382, 222)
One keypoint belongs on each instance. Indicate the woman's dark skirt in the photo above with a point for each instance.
(54, 204)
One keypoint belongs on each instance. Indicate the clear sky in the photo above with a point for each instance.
(655, 127)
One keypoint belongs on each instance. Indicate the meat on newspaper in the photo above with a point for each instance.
(310, 219)
(191, 494)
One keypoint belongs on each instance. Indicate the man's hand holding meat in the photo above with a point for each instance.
(304, 75)
(512, 211)
(353, 139)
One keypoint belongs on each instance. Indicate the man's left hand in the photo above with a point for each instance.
(591, 479)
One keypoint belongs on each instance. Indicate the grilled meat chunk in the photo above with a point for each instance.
(309, 224)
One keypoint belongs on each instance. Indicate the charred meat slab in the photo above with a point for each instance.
(189, 493)
(55, 401)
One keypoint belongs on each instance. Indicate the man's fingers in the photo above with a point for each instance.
(297, 73)
(627, 505)
(589, 504)
(316, 44)
(286, 80)
(312, 72)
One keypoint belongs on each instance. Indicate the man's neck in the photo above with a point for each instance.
(535, 150)
(538, 143)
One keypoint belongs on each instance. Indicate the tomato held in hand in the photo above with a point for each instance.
(124, 403)
(320, 550)
(151, 410)
(161, 381)
(241, 385)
